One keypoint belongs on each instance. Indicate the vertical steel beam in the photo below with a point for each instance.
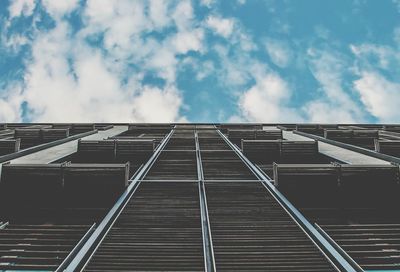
(339, 261)
(89, 248)
(209, 260)
(75, 250)
(3, 225)
(338, 248)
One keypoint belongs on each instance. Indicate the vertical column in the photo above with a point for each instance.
(326, 258)
(87, 251)
(205, 223)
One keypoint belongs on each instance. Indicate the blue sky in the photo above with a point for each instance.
(200, 61)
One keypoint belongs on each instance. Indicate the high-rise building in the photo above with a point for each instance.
(199, 197)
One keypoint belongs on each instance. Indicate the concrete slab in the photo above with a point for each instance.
(339, 153)
(347, 156)
(290, 136)
(56, 152)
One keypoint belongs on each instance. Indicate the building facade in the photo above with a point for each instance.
(199, 197)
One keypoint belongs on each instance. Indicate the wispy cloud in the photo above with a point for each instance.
(221, 26)
(279, 52)
(21, 7)
(266, 101)
(60, 8)
(380, 96)
(378, 78)
(334, 102)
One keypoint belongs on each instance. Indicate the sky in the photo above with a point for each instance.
(325, 61)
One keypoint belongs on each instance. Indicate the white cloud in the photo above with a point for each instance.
(56, 95)
(60, 8)
(234, 70)
(10, 104)
(123, 22)
(21, 7)
(184, 42)
(67, 80)
(222, 26)
(164, 63)
(320, 111)
(158, 13)
(329, 68)
(62, 79)
(119, 21)
(14, 42)
(266, 101)
(98, 13)
(245, 41)
(376, 95)
(156, 105)
(63, 74)
(279, 52)
(380, 96)
(386, 56)
(202, 69)
(237, 67)
(183, 15)
(207, 3)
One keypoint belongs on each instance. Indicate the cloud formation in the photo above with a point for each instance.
(380, 96)
(334, 102)
(21, 7)
(150, 60)
(279, 52)
(221, 26)
(266, 101)
(67, 79)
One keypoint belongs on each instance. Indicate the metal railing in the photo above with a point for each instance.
(209, 259)
(339, 261)
(89, 248)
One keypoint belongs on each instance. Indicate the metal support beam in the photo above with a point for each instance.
(338, 248)
(209, 260)
(89, 248)
(326, 248)
(76, 249)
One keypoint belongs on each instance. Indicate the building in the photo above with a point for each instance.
(199, 197)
